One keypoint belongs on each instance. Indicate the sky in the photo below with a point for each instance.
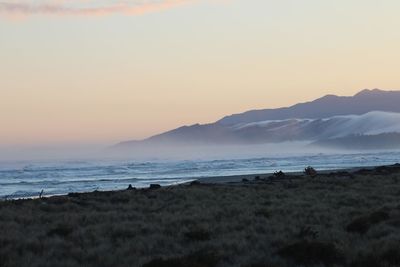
(101, 71)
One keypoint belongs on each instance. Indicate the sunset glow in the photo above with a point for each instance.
(107, 71)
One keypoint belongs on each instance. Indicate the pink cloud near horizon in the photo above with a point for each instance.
(78, 7)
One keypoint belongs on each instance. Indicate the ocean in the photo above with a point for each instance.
(22, 179)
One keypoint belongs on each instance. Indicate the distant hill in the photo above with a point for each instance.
(324, 107)
(327, 121)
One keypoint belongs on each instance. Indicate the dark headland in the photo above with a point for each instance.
(338, 218)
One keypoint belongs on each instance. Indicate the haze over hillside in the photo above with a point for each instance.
(369, 112)
(327, 106)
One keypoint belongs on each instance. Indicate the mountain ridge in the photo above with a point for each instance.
(329, 117)
(326, 106)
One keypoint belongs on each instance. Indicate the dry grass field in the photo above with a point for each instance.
(333, 219)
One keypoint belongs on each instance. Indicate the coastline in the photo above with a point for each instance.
(28, 179)
(221, 179)
(238, 178)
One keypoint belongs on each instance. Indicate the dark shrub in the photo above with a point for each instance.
(312, 253)
(378, 216)
(155, 186)
(263, 212)
(391, 256)
(340, 174)
(121, 233)
(59, 201)
(61, 230)
(244, 180)
(259, 264)
(119, 199)
(3, 260)
(386, 169)
(290, 185)
(279, 174)
(359, 225)
(363, 172)
(176, 262)
(201, 258)
(394, 223)
(362, 224)
(307, 232)
(387, 258)
(198, 235)
(310, 171)
(366, 261)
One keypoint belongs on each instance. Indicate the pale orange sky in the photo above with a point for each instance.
(79, 78)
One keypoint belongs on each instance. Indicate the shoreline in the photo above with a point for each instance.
(237, 179)
(222, 179)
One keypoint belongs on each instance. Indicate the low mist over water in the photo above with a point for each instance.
(161, 151)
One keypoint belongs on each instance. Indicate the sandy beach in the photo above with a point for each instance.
(334, 218)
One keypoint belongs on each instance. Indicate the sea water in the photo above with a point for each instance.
(21, 179)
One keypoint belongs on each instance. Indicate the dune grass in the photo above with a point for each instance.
(336, 219)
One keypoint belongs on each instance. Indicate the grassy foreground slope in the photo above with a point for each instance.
(336, 219)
